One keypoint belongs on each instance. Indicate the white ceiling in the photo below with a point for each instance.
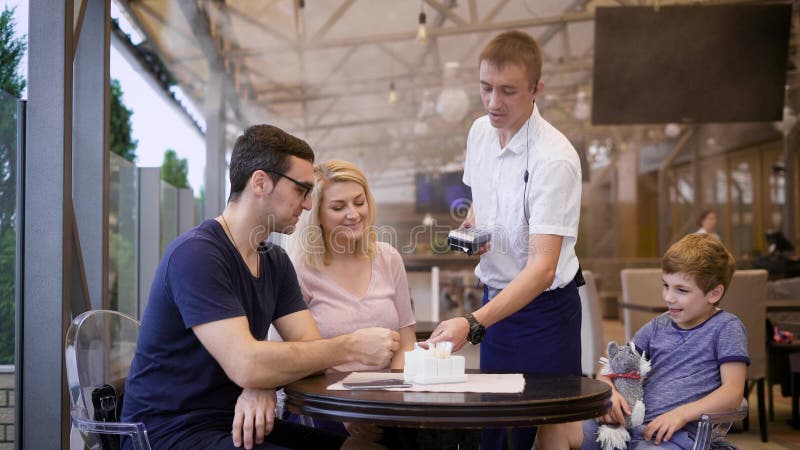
(323, 71)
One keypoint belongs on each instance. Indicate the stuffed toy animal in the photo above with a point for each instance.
(627, 370)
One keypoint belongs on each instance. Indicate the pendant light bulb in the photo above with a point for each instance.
(392, 94)
(422, 29)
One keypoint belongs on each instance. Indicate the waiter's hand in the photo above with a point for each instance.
(454, 330)
(485, 247)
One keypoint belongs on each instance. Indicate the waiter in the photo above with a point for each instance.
(526, 188)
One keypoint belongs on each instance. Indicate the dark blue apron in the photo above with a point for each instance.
(544, 337)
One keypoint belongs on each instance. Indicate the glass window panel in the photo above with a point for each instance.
(8, 228)
(169, 215)
(715, 191)
(123, 245)
(682, 198)
(744, 170)
(775, 197)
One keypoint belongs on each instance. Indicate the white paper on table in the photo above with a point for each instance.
(494, 383)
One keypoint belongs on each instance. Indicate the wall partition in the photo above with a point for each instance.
(123, 235)
(11, 117)
(73, 229)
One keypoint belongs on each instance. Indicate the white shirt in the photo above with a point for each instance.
(496, 176)
(703, 231)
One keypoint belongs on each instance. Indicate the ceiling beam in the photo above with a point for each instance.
(445, 11)
(455, 133)
(473, 12)
(352, 123)
(170, 27)
(495, 11)
(403, 82)
(397, 57)
(199, 23)
(332, 20)
(265, 27)
(577, 16)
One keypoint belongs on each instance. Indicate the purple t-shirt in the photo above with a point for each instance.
(685, 363)
(175, 386)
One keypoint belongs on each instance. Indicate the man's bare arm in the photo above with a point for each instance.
(263, 364)
(298, 326)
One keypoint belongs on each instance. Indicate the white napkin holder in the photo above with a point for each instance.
(434, 366)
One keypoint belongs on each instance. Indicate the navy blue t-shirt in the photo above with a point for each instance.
(175, 386)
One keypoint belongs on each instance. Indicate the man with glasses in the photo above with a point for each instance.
(203, 375)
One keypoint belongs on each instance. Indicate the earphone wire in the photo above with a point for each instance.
(525, 177)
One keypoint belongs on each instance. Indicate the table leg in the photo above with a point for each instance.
(794, 385)
(510, 438)
(795, 397)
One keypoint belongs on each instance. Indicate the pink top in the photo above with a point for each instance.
(386, 304)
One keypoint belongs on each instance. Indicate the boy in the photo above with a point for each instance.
(698, 352)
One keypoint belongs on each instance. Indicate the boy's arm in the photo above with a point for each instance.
(725, 398)
(619, 406)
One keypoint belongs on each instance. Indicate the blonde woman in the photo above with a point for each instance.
(348, 279)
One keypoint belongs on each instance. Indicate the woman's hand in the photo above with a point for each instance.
(254, 415)
(365, 431)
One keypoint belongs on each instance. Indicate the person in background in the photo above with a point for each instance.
(526, 188)
(350, 280)
(708, 223)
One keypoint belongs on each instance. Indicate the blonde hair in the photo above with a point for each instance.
(312, 247)
(703, 258)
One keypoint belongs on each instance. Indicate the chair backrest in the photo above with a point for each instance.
(99, 349)
(747, 299)
(591, 325)
(641, 297)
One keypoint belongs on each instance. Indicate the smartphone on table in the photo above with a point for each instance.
(378, 384)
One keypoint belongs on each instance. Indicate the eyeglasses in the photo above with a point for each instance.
(305, 186)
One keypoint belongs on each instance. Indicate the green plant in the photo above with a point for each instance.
(174, 170)
(122, 143)
(12, 83)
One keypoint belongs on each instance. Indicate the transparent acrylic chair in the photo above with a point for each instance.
(712, 428)
(99, 350)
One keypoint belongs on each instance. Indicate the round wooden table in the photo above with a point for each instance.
(545, 400)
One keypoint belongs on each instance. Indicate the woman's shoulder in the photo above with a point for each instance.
(385, 248)
(304, 270)
(386, 255)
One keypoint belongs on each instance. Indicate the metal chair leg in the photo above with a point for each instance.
(762, 413)
(770, 403)
(746, 420)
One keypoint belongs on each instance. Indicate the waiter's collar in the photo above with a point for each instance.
(525, 132)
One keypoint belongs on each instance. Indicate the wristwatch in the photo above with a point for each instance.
(476, 330)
